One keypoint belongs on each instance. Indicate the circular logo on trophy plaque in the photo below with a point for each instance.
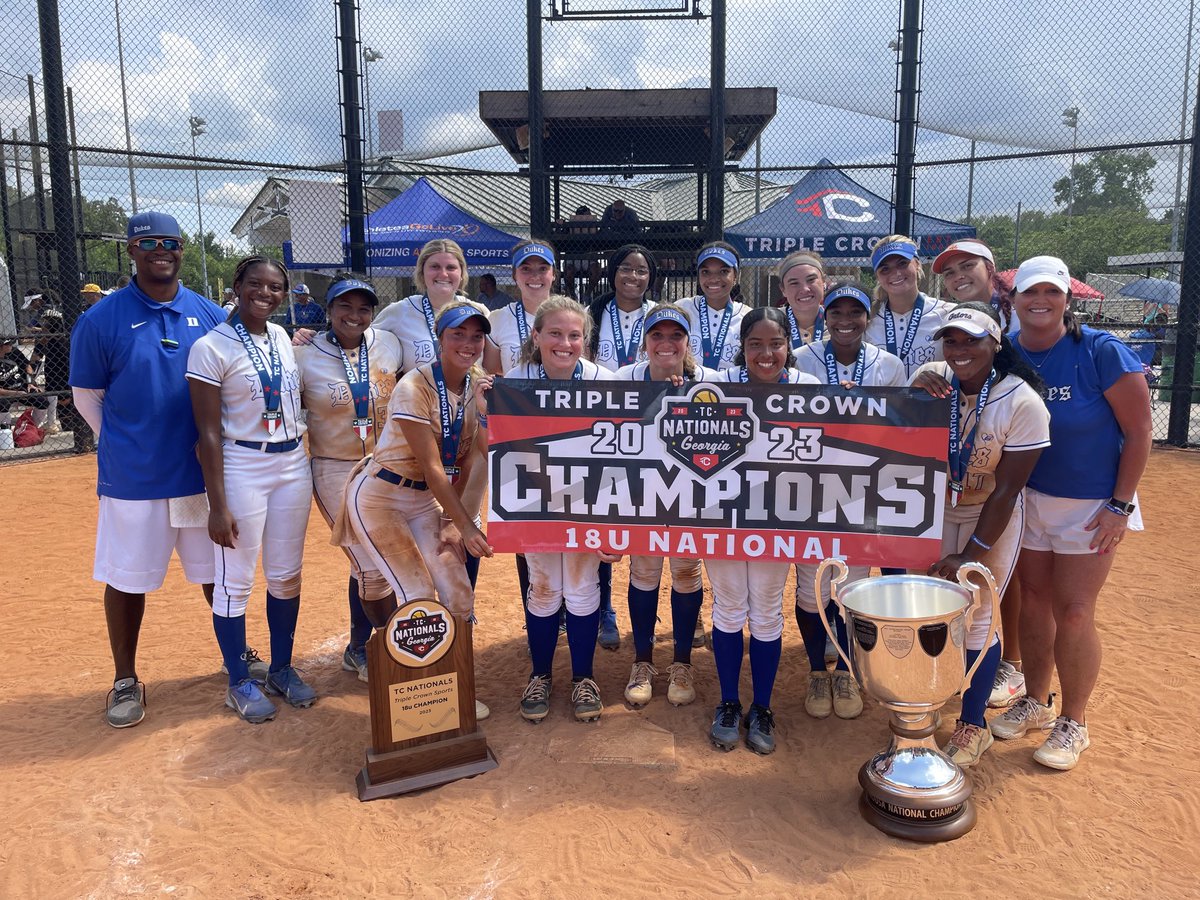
(419, 633)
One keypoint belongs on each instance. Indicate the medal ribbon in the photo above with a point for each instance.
(797, 337)
(831, 366)
(270, 372)
(451, 429)
(427, 309)
(522, 323)
(960, 455)
(712, 358)
(910, 335)
(360, 386)
(577, 375)
(744, 376)
(626, 354)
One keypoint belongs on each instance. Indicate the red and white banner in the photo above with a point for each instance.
(783, 473)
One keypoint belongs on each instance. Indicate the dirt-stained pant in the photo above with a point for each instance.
(645, 573)
(329, 488)
(748, 591)
(558, 577)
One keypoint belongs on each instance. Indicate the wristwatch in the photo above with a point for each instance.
(1126, 509)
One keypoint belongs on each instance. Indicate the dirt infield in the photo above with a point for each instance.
(194, 803)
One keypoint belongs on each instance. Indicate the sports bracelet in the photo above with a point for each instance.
(1112, 508)
(975, 540)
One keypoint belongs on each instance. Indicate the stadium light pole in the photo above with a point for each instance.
(1070, 118)
(197, 125)
(125, 110)
(370, 55)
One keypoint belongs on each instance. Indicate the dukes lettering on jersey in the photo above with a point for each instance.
(729, 471)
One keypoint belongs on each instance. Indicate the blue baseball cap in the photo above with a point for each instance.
(667, 314)
(338, 288)
(848, 292)
(717, 253)
(456, 315)
(892, 248)
(541, 251)
(302, 288)
(152, 224)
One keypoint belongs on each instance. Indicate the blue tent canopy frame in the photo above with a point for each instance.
(829, 213)
(397, 231)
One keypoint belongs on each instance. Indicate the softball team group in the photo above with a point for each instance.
(1049, 434)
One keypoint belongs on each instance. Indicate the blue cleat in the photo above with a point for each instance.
(760, 723)
(247, 700)
(609, 637)
(726, 732)
(355, 660)
(288, 684)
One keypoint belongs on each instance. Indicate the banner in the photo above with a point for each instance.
(784, 473)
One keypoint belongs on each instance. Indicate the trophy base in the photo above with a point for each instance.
(927, 819)
(418, 768)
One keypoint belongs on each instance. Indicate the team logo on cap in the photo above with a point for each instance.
(706, 431)
(419, 633)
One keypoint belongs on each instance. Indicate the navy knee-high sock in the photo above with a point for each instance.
(542, 632)
(281, 619)
(764, 664)
(813, 633)
(523, 577)
(728, 649)
(605, 574)
(685, 611)
(643, 613)
(360, 625)
(582, 632)
(974, 701)
(231, 638)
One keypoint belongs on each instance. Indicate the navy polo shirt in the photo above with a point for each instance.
(135, 349)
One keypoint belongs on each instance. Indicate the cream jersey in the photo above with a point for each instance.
(924, 348)
(880, 368)
(406, 320)
(589, 371)
(737, 375)
(327, 396)
(415, 399)
(219, 359)
(506, 334)
(641, 372)
(724, 355)
(1015, 418)
(606, 349)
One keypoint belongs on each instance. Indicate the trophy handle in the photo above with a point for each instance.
(964, 573)
(843, 572)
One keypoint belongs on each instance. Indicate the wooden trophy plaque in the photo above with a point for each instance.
(422, 689)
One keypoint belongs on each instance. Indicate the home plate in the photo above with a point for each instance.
(616, 740)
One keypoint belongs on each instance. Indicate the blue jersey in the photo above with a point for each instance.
(309, 313)
(1085, 439)
(135, 349)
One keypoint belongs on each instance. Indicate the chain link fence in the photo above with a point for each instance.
(1061, 130)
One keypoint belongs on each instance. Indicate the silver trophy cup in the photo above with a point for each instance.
(907, 651)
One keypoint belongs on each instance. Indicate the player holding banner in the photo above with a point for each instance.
(751, 592)
(845, 359)
(349, 372)
(998, 428)
(246, 389)
(668, 358)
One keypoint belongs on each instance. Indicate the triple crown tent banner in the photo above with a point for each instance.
(398, 230)
(781, 473)
(833, 215)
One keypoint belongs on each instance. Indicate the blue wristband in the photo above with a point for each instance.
(976, 540)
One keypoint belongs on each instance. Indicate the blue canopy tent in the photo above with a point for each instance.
(397, 231)
(830, 213)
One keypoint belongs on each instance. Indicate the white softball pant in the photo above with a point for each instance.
(645, 573)
(748, 591)
(270, 498)
(806, 587)
(555, 578)
(329, 489)
(400, 529)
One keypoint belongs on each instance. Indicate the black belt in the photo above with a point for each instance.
(267, 447)
(400, 481)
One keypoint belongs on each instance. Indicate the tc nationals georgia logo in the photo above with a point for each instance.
(706, 431)
(419, 633)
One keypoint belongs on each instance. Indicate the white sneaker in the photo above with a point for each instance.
(680, 690)
(1061, 749)
(640, 688)
(1023, 715)
(1008, 688)
(968, 743)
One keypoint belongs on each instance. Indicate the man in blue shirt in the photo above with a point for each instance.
(128, 357)
(302, 310)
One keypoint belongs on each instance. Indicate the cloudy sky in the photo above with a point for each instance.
(264, 76)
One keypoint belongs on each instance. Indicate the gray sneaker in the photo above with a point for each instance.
(760, 727)
(535, 702)
(126, 703)
(585, 700)
(725, 731)
(247, 700)
(288, 684)
(254, 664)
